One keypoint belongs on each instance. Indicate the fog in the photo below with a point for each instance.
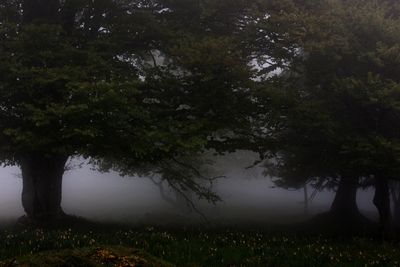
(247, 197)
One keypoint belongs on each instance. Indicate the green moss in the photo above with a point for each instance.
(112, 256)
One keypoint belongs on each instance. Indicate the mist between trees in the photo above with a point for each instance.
(248, 197)
(152, 88)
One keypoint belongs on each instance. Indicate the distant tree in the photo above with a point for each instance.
(80, 78)
(339, 114)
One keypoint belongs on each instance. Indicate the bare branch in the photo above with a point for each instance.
(153, 58)
(189, 201)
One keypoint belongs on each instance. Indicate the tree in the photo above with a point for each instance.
(75, 79)
(395, 194)
(340, 114)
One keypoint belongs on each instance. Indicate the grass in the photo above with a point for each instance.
(78, 245)
(88, 257)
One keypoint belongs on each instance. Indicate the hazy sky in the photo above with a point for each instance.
(247, 196)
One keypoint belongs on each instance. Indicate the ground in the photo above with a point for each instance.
(114, 256)
(93, 244)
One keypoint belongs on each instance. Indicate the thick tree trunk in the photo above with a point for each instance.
(382, 203)
(344, 205)
(42, 186)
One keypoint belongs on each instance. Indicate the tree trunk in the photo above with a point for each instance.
(396, 213)
(306, 211)
(382, 203)
(344, 205)
(395, 190)
(42, 186)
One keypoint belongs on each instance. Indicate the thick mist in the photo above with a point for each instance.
(247, 197)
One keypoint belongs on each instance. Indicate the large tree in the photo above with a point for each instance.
(340, 114)
(83, 78)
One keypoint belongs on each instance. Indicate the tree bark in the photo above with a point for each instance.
(42, 186)
(382, 203)
(395, 192)
(306, 211)
(344, 205)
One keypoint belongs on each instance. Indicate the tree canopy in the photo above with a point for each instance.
(340, 109)
(128, 84)
(145, 86)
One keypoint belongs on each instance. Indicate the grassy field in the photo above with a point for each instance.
(109, 245)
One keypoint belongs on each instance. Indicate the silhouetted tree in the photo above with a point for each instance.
(340, 108)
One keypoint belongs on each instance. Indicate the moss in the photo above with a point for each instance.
(114, 256)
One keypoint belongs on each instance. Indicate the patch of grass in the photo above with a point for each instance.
(199, 247)
(88, 257)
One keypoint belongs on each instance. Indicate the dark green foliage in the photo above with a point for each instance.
(342, 114)
(129, 84)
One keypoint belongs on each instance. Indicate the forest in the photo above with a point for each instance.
(157, 89)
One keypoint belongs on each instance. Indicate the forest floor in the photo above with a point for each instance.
(94, 244)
